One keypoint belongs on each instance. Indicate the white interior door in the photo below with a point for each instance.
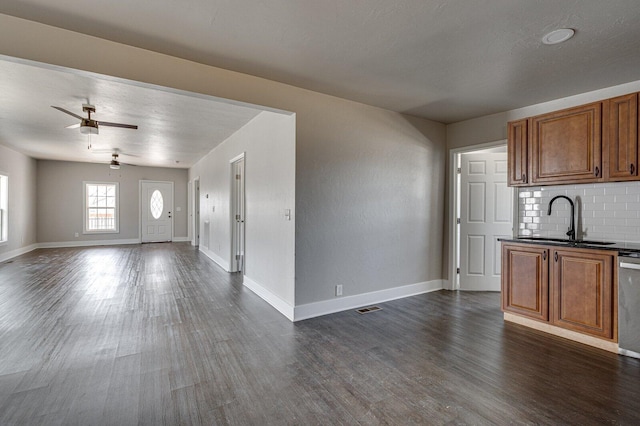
(238, 216)
(485, 215)
(156, 207)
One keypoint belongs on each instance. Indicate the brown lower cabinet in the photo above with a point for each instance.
(571, 288)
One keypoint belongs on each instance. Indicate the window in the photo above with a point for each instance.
(100, 207)
(4, 208)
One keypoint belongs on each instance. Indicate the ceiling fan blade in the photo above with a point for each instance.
(125, 126)
(73, 126)
(68, 112)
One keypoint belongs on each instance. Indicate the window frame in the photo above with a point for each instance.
(4, 208)
(85, 209)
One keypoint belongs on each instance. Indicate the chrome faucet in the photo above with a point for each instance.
(572, 228)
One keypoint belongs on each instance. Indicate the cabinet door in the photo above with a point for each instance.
(517, 147)
(621, 133)
(582, 300)
(566, 146)
(525, 280)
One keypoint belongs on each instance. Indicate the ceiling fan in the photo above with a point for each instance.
(89, 126)
(115, 162)
(116, 153)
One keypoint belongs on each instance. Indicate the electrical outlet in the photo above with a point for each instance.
(77, 235)
(339, 290)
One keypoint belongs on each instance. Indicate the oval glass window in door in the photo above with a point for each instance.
(156, 204)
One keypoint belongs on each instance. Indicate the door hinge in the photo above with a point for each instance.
(459, 170)
(457, 270)
(237, 217)
(458, 221)
(238, 177)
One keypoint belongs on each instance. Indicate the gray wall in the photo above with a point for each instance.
(60, 192)
(268, 142)
(369, 197)
(21, 171)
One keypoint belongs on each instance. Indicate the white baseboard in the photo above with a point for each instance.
(280, 305)
(181, 239)
(92, 243)
(217, 259)
(316, 309)
(62, 244)
(17, 252)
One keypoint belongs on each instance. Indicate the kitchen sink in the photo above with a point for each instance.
(566, 241)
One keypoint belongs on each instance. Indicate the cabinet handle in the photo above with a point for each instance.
(632, 169)
(597, 171)
(555, 256)
(524, 177)
(544, 255)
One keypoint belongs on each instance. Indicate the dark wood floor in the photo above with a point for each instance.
(157, 334)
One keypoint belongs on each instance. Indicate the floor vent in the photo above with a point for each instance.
(369, 309)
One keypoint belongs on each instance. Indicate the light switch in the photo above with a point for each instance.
(287, 214)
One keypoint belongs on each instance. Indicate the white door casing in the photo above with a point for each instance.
(485, 215)
(238, 214)
(156, 211)
(196, 212)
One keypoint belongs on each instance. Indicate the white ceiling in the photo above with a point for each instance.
(447, 60)
(175, 129)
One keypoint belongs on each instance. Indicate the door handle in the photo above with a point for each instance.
(556, 256)
(632, 169)
(597, 171)
(544, 255)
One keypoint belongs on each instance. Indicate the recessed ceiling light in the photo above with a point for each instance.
(558, 36)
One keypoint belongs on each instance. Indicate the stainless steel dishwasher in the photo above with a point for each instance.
(629, 304)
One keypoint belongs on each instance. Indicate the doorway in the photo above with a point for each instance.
(483, 214)
(237, 214)
(156, 207)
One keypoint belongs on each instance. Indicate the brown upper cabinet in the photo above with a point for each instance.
(517, 150)
(597, 142)
(621, 137)
(566, 146)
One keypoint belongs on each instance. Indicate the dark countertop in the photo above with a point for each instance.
(622, 248)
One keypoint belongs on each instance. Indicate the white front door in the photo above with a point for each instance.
(156, 207)
(485, 215)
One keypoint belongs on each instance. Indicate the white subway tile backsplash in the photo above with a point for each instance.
(593, 191)
(615, 190)
(633, 206)
(604, 199)
(607, 211)
(625, 214)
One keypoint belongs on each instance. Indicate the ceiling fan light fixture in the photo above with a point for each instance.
(115, 164)
(88, 127)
